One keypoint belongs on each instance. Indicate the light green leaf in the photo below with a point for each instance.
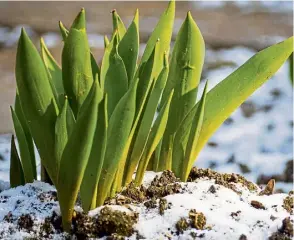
(63, 129)
(37, 101)
(64, 32)
(154, 138)
(24, 149)
(143, 131)
(25, 127)
(76, 155)
(16, 172)
(114, 79)
(106, 41)
(190, 155)
(230, 93)
(94, 65)
(184, 76)
(156, 159)
(163, 32)
(118, 25)
(54, 72)
(128, 47)
(120, 125)
(76, 64)
(90, 181)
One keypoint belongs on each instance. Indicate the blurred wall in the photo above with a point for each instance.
(223, 24)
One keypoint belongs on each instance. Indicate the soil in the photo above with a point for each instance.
(114, 223)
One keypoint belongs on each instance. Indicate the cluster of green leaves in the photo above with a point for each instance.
(94, 125)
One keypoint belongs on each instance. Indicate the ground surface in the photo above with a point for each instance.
(210, 206)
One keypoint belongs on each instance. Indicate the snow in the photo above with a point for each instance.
(217, 208)
(248, 139)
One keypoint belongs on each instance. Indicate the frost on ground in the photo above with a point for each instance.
(209, 206)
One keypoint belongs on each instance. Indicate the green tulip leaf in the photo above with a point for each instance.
(120, 124)
(16, 171)
(76, 155)
(128, 47)
(230, 93)
(37, 101)
(154, 138)
(114, 79)
(184, 76)
(76, 64)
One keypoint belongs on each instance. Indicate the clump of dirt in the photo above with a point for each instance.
(269, 188)
(285, 232)
(198, 220)
(257, 204)
(195, 220)
(52, 224)
(226, 180)
(8, 217)
(288, 202)
(112, 221)
(25, 222)
(236, 215)
(48, 196)
(150, 203)
(164, 185)
(163, 205)
(137, 194)
(182, 225)
(161, 186)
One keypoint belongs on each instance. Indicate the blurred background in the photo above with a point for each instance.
(256, 141)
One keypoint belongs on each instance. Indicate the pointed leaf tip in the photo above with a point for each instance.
(80, 21)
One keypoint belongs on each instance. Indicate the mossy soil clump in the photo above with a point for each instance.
(227, 180)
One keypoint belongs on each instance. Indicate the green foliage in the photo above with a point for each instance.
(94, 126)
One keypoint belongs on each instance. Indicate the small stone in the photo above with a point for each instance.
(212, 164)
(228, 121)
(244, 168)
(212, 144)
(266, 108)
(235, 215)
(276, 93)
(231, 159)
(257, 205)
(212, 189)
(248, 109)
(269, 189)
(243, 237)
